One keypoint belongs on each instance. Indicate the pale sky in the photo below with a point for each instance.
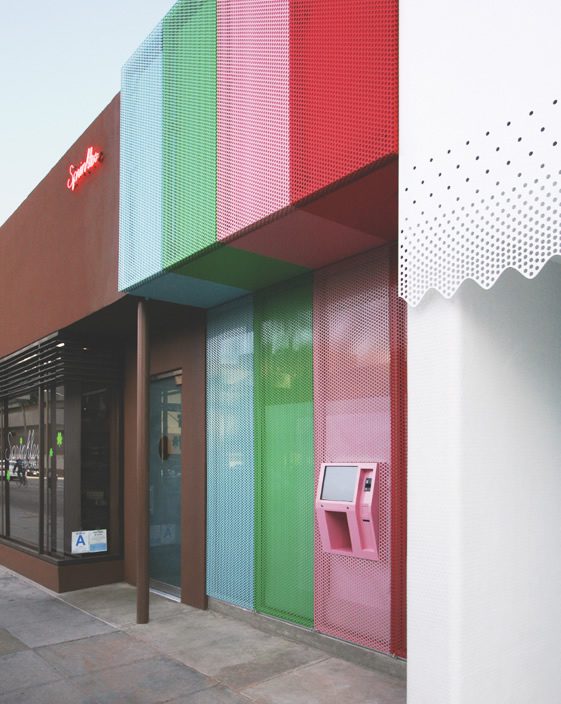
(60, 64)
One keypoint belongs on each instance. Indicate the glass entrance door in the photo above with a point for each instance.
(165, 484)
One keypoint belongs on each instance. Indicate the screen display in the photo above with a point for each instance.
(339, 483)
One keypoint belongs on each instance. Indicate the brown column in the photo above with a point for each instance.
(142, 468)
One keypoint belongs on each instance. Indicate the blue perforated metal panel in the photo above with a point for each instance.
(230, 498)
(188, 291)
(140, 237)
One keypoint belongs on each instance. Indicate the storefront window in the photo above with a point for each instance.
(59, 456)
(96, 459)
(22, 468)
(54, 463)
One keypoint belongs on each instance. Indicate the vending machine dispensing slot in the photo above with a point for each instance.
(347, 509)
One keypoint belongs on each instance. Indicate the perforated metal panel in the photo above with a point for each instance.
(140, 228)
(483, 203)
(284, 452)
(189, 129)
(253, 111)
(233, 110)
(343, 88)
(353, 416)
(230, 491)
(399, 453)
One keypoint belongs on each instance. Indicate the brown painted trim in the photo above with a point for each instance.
(82, 576)
(30, 566)
(142, 463)
(57, 577)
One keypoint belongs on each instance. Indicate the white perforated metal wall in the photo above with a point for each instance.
(480, 142)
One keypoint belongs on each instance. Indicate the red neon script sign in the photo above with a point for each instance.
(76, 173)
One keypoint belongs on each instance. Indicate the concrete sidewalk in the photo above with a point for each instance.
(84, 648)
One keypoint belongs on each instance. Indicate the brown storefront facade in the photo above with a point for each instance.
(67, 292)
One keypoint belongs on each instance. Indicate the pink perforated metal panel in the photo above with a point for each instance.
(253, 111)
(354, 335)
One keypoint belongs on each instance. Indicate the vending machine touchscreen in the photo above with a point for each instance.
(339, 482)
(347, 508)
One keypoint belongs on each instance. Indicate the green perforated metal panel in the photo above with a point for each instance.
(189, 129)
(235, 267)
(284, 452)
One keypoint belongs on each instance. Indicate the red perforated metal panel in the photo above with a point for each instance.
(343, 88)
(359, 416)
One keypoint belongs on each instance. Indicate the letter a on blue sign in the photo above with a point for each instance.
(80, 541)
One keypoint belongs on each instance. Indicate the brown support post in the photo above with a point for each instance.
(142, 435)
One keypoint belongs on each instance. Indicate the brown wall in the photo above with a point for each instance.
(60, 578)
(177, 341)
(59, 249)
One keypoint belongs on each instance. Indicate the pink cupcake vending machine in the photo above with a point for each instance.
(347, 508)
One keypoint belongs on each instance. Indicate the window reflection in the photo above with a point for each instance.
(22, 468)
(95, 460)
(54, 463)
(60, 466)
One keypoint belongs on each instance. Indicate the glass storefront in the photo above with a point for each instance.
(22, 468)
(59, 458)
(54, 462)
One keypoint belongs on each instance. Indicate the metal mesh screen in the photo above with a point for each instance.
(353, 422)
(140, 228)
(253, 111)
(398, 367)
(189, 129)
(230, 474)
(284, 452)
(344, 95)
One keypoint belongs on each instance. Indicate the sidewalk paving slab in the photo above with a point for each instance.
(24, 669)
(331, 681)
(84, 647)
(116, 604)
(9, 643)
(229, 650)
(82, 657)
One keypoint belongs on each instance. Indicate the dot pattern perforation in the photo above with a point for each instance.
(479, 207)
